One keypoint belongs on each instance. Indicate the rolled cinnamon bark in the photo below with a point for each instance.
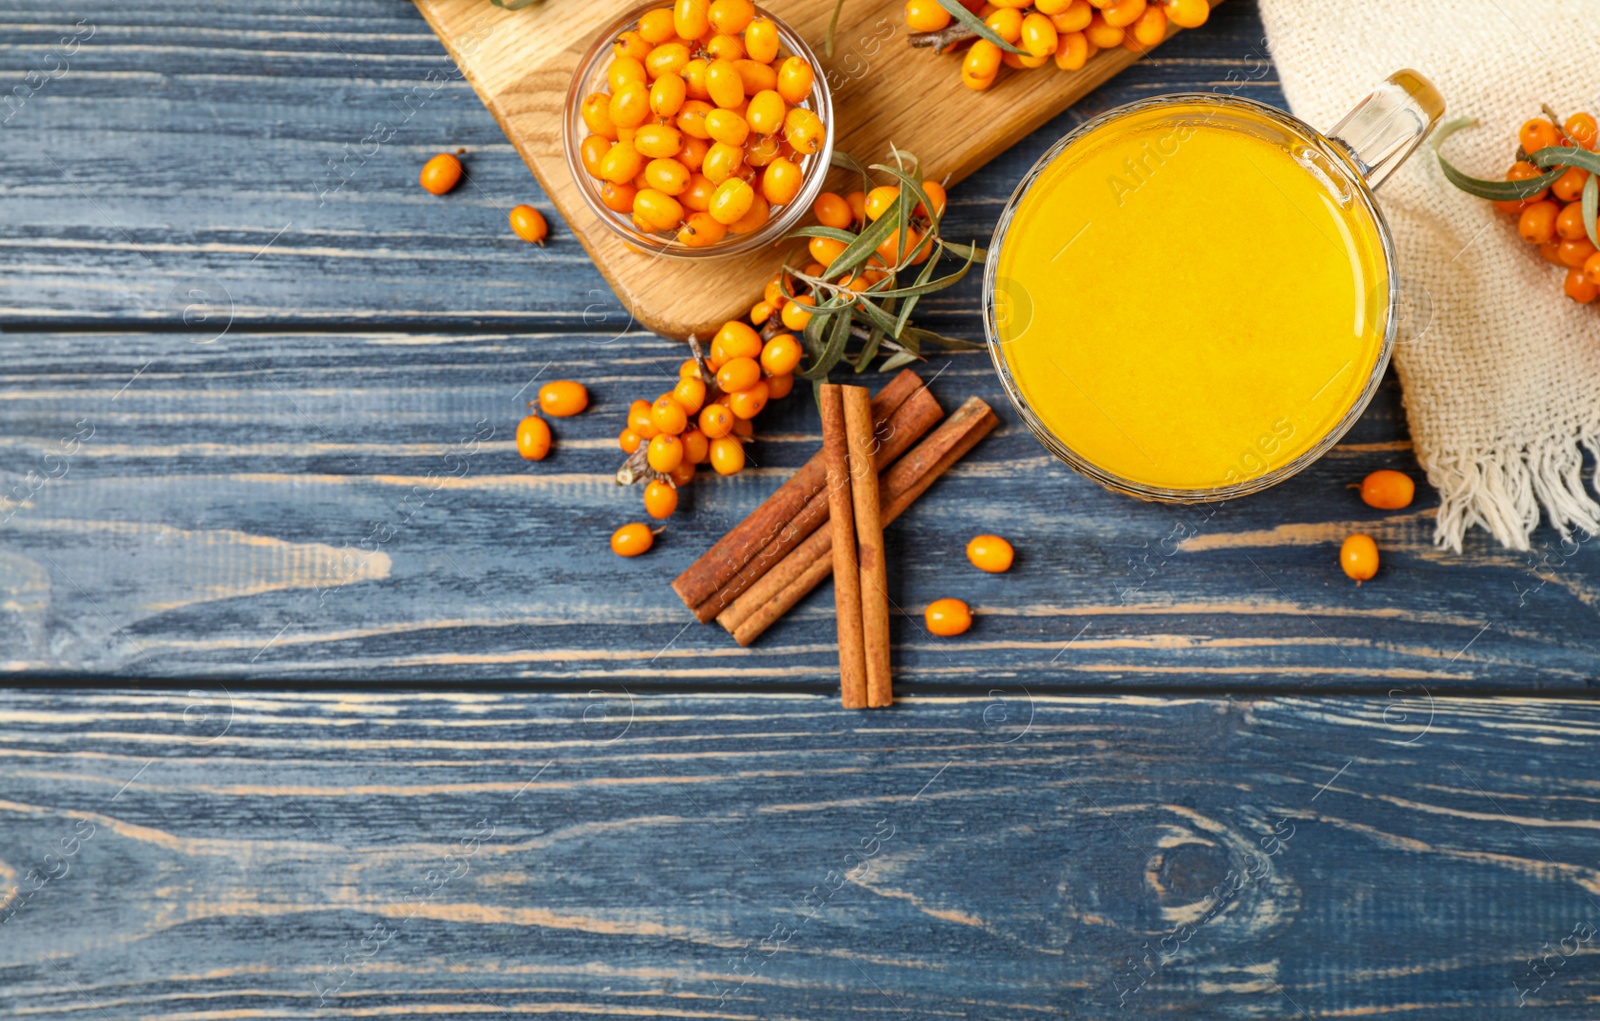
(870, 554)
(842, 526)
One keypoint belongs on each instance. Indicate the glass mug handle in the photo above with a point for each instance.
(1389, 124)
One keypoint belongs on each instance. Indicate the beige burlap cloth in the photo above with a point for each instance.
(1501, 371)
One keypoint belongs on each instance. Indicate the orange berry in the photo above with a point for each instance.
(825, 250)
(857, 201)
(766, 112)
(591, 151)
(1522, 170)
(632, 540)
(779, 387)
(689, 18)
(747, 403)
(781, 182)
(738, 340)
(716, 421)
(1006, 22)
(1104, 34)
(1538, 133)
(727, 455)
(926, 16)
(665, 453)
(1388, 489)
(739, 374)
(1581, 128)
(667, 94)
(880, 200)
(795, 80)
(1591, 269)
(441, 173)
(657, 141)
(831, 210)
(689, 369)
(731, 201)
(743, 427)
(1579, 288)
(1359, 557)
(731, 17)
(1537, 224)
(803, 130)
(724, 84)
(794, 314)
(528, 224)
(761, 40)
(629, 441)
(1551, 250)
(668, 416)
(701, 230)
(756, 77)
(621, 164)
(1569, 222)
(630, 105)
(947, 617)
(563, 398)
(624, 70)
(754, 218)
(657, 209)
(1151, 28)
(1569, 186)
(667, 176)
(533, 438)
(1575, 252)
(727, 127)
(630, 44)
(689, 394)
(660, 499)
(1072, 50)
(696, 447)
(640, 420)
(724, 47)
(697, 196)
(936, 194)
(618, 197)
(760, 312)
(1188, 13)
(656, 27)
(781, 355)
(990, 553)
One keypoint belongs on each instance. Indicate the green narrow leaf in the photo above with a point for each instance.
(921, 288)
(1495, 191)
(916, 189)
(869, 350)
(975, 23)
(819, 231)
(898, 360)
(876, 315)
(845, 161)
(1566, 156)
(1591, 207)
(833, 350)
(952, 343)
(911, 302)
(861, 249)
(972, 252)
(833, 28)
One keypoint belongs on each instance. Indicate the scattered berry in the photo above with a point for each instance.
(441, 173)
(528, 224)
(1359, 557)
(632, 539)
(990, 553)
(1388, 489)
(533, 438)
(947, 617)
(563, 398)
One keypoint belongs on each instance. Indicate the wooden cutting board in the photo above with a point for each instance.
(521, 63)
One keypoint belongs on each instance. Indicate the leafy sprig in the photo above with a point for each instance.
(1555, 160)
(878, 314)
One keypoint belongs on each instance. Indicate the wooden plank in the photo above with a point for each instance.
(304, 505)
(767, 856)
(883, 93)
(188, 150)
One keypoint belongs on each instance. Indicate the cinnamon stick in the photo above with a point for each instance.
(870, 555)
(841, 518)
(733, 551)
(895, 436)
(792, 578)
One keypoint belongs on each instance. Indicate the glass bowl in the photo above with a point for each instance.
(590, 78)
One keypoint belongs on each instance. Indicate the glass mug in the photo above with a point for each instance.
(1193, 297)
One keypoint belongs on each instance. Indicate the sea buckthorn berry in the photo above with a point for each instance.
(624, 70)
(629, 441)
(739, 374)
(795, 80)
(682, 475)
(689, 394)
(727, 455)
(622, 163)
(667, 176)
(656, 27)
(804, 131)
(731, 16)
(1039, 35)
(774, 292)
(760, 312)
(630, 44)
(596, 111)
(1188, 13)
(563, 398)
(591, 151)
(737, 340)
(881, 199)
(1581, 128)
(1537, 224)
(761, 150)
(973, 82)
(1569, 186)
(1575, 252)
(1073, 16)
(732, 199)
(528, 224)
(747, 403)
(1388, 489)
(761, 40)
(639, 420)
(781, 182)
(1539, 133)
(794, 315)
(926, 16)
(756, 77)
(696, 447)
(825, 250)
(716, 421)
(1579, 288)
(727, 127)
(744, 427)
(701, 230)
(724, 85)
(1591, 269)
(1006, 22)
(632, 540)
(660, 499)
(618, 197)
(667, 94)
(1522, 170)
(725, 47)
(831, 210)
(694, 79)
(533, 438)
(689, 18)
(1123, 13)
(753, 219)
(982, 60)
(689, 369)
(440, 174)
(1103, 34)
(692, 118)
(658, 209)
(857, 201)
(668, 416)
(891, 254)
(697, 196)
(766, 112)
(781, 355)
(947, 617)
(1569, 222)
(990, 553)
(722, 162)
(665, 453)
(1359, 557)
(1551, 251)
(936, 194)
(779, 387)
(1150, 29)
(630, 105)
(657, 141)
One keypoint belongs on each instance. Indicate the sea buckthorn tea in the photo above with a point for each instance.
(1192, 297)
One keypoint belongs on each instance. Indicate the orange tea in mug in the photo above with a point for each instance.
(1193, 297)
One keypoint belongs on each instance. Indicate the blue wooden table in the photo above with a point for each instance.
(256, 451)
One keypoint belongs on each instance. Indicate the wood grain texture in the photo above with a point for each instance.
(757, 856)
(304, 506)
(220, 149)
